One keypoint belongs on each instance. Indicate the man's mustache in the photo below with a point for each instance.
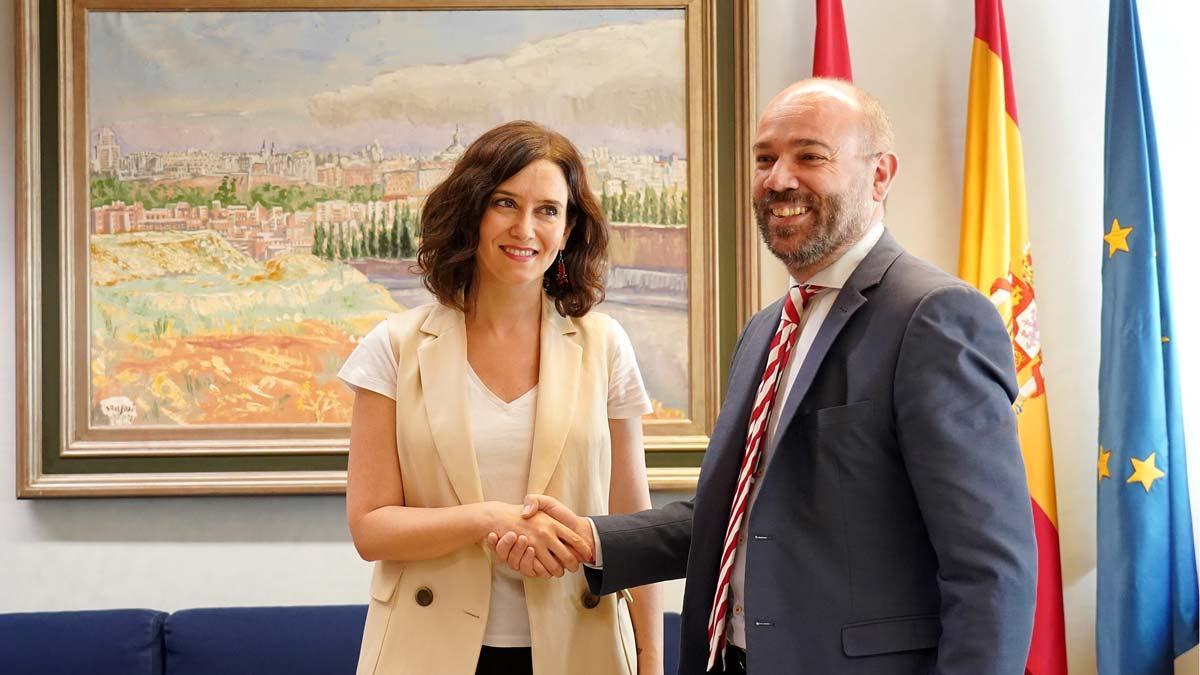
(788, 197)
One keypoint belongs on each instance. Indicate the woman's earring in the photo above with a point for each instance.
(560, 275)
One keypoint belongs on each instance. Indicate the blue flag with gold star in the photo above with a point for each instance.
(1146, 596)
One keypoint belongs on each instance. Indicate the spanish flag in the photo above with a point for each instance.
(994, 256)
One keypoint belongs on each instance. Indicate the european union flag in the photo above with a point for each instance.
(1146, 597)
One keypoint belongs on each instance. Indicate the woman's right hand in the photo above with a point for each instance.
(544, 548)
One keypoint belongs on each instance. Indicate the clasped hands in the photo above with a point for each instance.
(544, 539)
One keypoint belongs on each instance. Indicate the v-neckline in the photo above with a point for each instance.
(506, 405)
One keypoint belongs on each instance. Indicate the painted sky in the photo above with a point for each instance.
(339, 80)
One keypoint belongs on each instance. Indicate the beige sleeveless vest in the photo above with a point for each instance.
(428, 617)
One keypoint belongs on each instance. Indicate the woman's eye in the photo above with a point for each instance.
(505, 202)
(550, 210)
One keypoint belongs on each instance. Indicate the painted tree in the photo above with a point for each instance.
(318, 245)
(605, 202)
(649, 206)
(406, 245)
(227, 192)
(402, 226)
(343, 242)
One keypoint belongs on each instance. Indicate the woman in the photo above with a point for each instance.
(505, 386)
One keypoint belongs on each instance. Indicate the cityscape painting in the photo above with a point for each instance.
(255, 181)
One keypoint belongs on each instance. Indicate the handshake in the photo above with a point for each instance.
(546, 539)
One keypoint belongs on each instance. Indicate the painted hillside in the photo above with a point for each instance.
(189, 330)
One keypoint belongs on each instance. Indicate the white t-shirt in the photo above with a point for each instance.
(502, 434)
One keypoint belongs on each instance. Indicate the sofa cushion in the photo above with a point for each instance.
(264, 640)
(81, 643)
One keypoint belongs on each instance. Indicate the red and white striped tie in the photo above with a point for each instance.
(781, 348)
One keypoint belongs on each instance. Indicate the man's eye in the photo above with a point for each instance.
(809, 157)
(764, 159)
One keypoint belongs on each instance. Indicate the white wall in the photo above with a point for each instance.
(915, 57)
(173, 553)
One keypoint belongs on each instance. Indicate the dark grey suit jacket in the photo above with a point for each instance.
(893, 531)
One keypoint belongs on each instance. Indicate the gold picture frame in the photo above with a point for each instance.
(63, 453)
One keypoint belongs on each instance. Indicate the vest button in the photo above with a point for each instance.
(589, 599)
(424, 596)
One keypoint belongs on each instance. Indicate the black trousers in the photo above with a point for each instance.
(505, 661)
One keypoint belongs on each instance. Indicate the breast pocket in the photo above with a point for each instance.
(852, 437)
(843, 414)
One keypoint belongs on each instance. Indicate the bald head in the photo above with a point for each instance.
(842, 98)
(823, 165)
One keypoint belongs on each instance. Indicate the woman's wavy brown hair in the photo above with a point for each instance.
(452, 213)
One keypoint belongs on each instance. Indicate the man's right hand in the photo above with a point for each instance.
(508, 546)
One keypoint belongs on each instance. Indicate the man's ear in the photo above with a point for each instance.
(885, 172)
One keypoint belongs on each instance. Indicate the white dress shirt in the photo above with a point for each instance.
(832, 277)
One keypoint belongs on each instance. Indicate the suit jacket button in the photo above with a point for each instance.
(424, 596)
(589, 599)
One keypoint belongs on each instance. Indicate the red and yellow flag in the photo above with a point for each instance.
(994, 256)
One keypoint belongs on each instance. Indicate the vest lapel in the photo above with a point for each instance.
(558, 388)
(443, 365)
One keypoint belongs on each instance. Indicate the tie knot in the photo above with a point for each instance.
(798, 299)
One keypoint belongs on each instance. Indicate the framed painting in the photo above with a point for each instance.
(218, 198)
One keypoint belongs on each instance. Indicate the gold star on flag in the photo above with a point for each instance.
(1102, 464)
(1145, 472)
(1117, 237)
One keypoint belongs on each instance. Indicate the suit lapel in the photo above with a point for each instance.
(743, 386)
(867, 275)
(727, 446)
(558, 387)
(443, 365)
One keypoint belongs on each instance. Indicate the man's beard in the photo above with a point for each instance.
(835, 225)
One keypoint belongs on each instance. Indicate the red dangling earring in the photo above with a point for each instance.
(560, 274)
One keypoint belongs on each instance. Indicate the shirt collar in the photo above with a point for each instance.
(838, 272)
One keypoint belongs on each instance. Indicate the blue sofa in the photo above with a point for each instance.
(226, 641)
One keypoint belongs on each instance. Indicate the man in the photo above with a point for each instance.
(867, 447)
